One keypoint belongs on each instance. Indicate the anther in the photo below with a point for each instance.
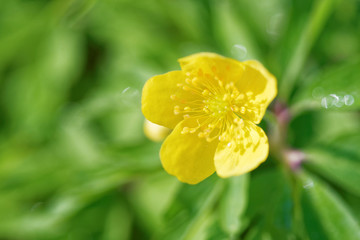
(185, 130)
(186, 88)
(176, 110)
(229, 85)
(222, 138)
(235, 108)
(173, 97)
(221, 84)
(240, 96)
(205, 93)
(192, 130)
(242, 110)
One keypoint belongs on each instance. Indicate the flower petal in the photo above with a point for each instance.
(186, 156)
(260, 87)
(157, 106)
(225, 69)
(247, 149)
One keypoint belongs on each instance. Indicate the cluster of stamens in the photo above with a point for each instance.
(218, 110)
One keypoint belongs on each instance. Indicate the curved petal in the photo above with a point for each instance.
(156, 103)
(259, 88)
(247, 149)
(212, 65)
(155, 132)
(186, 156)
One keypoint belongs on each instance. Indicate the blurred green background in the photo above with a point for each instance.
(75, 164)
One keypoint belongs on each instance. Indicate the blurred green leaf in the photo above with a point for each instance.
(150, 199)
(233, 204)
(320, 12)
(234, 37)
(337, 88)
(315, 127)
(328, 216)
(191, 205)
(118, 223)
(340, 166)
(214, 231)
(270, 205)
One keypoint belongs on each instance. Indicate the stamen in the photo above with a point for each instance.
(185, 130)
(214, 108)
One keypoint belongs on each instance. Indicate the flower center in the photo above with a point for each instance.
(215, 108)
(218, 106)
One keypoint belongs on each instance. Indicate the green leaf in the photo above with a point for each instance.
(337, 88)
(271, 205)
(118, 222)
(151, 197)
(232, 34)
(187, 213)
(255, 233)
(233, 204)
(328, 215)
(319, 15)
(341, 166)
(215, 231)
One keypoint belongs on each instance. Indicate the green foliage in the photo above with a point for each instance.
(75, 164)
(334, 218)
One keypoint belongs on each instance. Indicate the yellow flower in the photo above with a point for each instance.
(212, 104)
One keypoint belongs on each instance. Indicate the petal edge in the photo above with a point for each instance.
(239, 157)
(188, 157)
(156, 103)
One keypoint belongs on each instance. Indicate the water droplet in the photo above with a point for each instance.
(36, 206)
(324, 102)
(309, 184)
(336, 100)
(349, 100)
(129, 96)
(274, 25)
(125, 90)
(330, 101)
(239, 51)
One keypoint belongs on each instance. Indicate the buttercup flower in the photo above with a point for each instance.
(212, 104)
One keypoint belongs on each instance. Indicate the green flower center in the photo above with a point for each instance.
(218, 106)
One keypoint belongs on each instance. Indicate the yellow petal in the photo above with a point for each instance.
(186, 156)
(259, 86)
(211, 64)
(246, 150)
(155, 132)
(157, 105)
